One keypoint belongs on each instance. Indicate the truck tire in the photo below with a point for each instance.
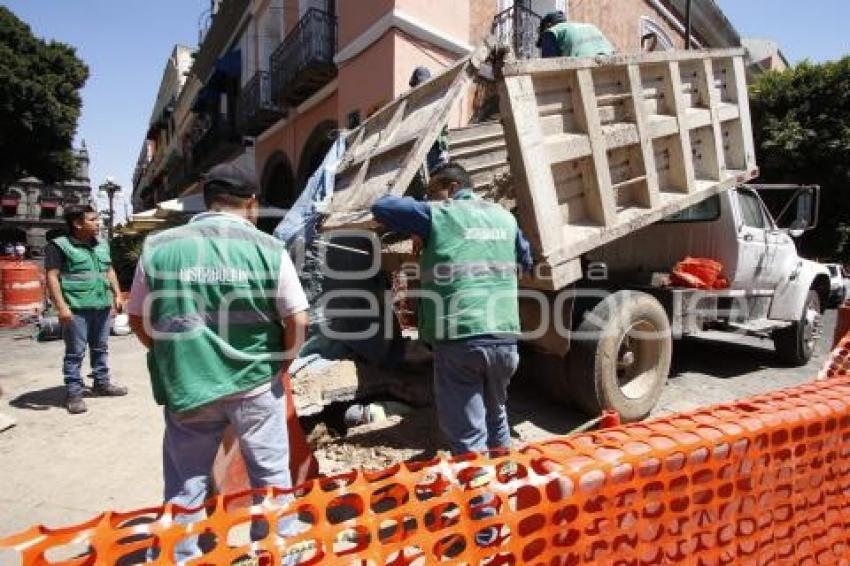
(796, 343)
(620, 356)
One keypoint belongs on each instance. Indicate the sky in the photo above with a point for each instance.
(815, 30)
(126, 43)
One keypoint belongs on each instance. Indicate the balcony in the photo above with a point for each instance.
(304, 63)
(518, 27)
(257, 110)
(217, 142)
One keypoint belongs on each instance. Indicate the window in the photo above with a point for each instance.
(653, 37)
(752, 213)
(704, 211)
(9, 203)
(48, 209)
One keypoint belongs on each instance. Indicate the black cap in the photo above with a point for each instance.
(229, 179)
(419, 76)
(549, 20)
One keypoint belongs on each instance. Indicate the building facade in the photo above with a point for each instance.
(273, 82)
(159, 159)
(32, 211)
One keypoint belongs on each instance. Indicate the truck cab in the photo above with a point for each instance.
(772, 292)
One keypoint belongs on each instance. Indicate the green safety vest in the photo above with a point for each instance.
(83, 277)
(468, 271)
(211, 309)
(580, 40)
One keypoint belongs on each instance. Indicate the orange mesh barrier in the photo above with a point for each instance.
(763, 481)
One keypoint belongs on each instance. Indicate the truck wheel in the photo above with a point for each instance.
(796, 344)
(620, 355)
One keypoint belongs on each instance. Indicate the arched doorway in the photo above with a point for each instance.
(278, 188)
(315, 148)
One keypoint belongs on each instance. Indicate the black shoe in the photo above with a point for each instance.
(109, 390)
(76, 405)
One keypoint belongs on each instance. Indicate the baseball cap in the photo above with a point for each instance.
(230, 179)
(419, 76)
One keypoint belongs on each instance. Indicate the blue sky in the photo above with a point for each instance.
(126, 43)
(816, 30)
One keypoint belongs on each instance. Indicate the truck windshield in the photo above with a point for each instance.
(704, 211)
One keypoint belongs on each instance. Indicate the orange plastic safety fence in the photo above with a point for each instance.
(763, 481)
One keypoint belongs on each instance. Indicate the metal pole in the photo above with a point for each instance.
(688, 25)
(111, 214)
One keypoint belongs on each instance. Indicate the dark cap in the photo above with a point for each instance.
(419, 76)
(229, 179)
(549, 20)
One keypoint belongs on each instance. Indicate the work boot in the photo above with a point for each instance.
(109, 390)
(76, 405)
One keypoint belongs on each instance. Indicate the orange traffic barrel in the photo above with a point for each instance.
(20, 287)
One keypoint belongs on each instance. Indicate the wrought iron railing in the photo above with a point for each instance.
(518, 26)
(257, 107)
(304, 61)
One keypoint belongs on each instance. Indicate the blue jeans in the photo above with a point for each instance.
(470, 388)
(89, 326)
(192, 439)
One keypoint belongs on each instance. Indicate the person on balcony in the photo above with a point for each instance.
(439, 152)
(560, 38)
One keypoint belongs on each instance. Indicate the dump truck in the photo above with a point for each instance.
(616, 168)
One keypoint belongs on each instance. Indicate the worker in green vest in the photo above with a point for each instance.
(220, 308)
(86, 294)
(559, 38)
(468, 308)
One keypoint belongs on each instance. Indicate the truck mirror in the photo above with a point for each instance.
(797, 213)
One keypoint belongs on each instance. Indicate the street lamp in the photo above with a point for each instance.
(110, 188)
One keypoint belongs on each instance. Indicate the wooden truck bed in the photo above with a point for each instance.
(597, 147)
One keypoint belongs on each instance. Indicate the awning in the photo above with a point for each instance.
(49, 204)
(228, 68)
(9, 201)
(206, 100)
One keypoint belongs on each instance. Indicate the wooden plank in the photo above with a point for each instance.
(395, 143)
(683, 171)
(712, 98)
(743, 100)
(567, 147)
(581, 239)
(560, 64)
(535, 189)
(649, 195)
(600, 199)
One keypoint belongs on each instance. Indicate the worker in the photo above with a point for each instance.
(469, 277)
(220, 308)
(85, 291)
(559, 38)
(438, 154)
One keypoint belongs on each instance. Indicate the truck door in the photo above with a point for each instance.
(756, 251)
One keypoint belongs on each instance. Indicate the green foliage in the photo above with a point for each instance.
(39, 103)
(801, 123)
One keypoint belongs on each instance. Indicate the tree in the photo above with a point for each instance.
(39, 103)
(801, 124)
